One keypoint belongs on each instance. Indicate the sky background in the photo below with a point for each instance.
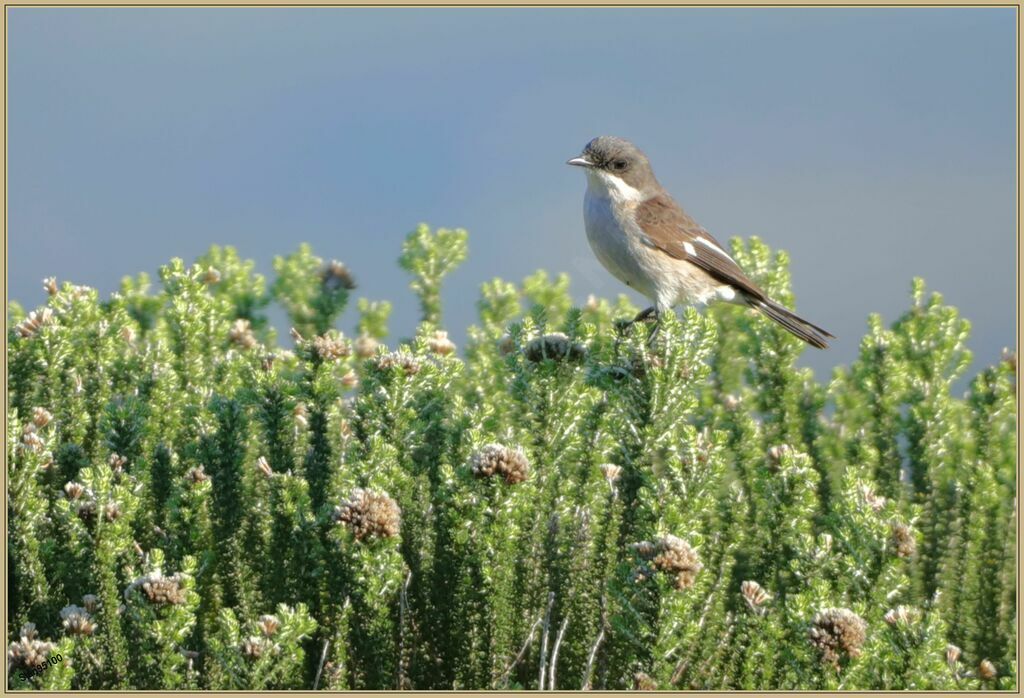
(874, 145)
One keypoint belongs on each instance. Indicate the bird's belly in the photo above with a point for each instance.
(623, 250)
(615, 247)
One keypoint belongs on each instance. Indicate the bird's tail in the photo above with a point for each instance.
(810, 333)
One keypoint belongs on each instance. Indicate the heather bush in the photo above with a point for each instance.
(554, 505)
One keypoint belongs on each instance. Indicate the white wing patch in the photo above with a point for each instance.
(726, 293)
(690, 249)
(712, 246)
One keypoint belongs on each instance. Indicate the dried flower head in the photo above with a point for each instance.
(164, 590)
(495, 459)
(241, 334)
(50, 285)
(674, 556)
(331, 346)
(506, 345)
(592, 303)
(365, 346)
(117, 462)
(611, 472)
(77, 621)
(264, 466)
(86, 510)
(29, 652)
(252, 647)
(755, 595)
(350, 380)
(902, 540)
(211, 276)
(112, 511)
(159, 589)
(555, 346)
(777, 453)
(35, 320)
(644, 682)
(369, 514)
(876, 502)
(403, 360)
(74, 490)
(41, 417)
(837, 631)
(678, 558)
(986, 670)
(440, 344)
(267, 361)
(902, 615)
(268, 625)
(731, 402)
(30, 440)
(91, 602)
(197, 475)
(336, 275)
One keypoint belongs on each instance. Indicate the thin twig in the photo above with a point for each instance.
(554, 654)
(319, 669)
(402, 610)
(522, 652)
(544, 641)
(590, 660)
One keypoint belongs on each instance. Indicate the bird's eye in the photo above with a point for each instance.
(619, 165)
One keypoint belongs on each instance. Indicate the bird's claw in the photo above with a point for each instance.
(647, 315)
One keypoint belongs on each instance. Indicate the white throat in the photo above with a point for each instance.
(608, 186)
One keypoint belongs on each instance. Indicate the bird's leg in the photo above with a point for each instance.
(657, 326)
(643, 315)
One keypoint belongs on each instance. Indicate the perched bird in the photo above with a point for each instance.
(645, 239)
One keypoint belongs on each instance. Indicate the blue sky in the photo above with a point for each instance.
(874, 144)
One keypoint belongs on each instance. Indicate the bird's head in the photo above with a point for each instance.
(617, 167)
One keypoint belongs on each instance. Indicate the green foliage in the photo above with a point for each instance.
(312, 293)
(233, 279)
(562, 506)
(264, 653)
(373, 318)
(429, 257)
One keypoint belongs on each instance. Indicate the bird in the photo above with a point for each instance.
(647, 241)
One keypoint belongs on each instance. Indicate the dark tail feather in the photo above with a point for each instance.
(812, 334)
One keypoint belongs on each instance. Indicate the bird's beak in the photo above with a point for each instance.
(580, 162)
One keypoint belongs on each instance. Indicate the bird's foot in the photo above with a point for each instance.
(646, 315)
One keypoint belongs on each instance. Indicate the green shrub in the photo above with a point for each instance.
(557, 506)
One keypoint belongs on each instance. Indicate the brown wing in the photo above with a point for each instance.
(668, 228)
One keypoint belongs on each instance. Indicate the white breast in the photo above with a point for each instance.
(614, 244)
